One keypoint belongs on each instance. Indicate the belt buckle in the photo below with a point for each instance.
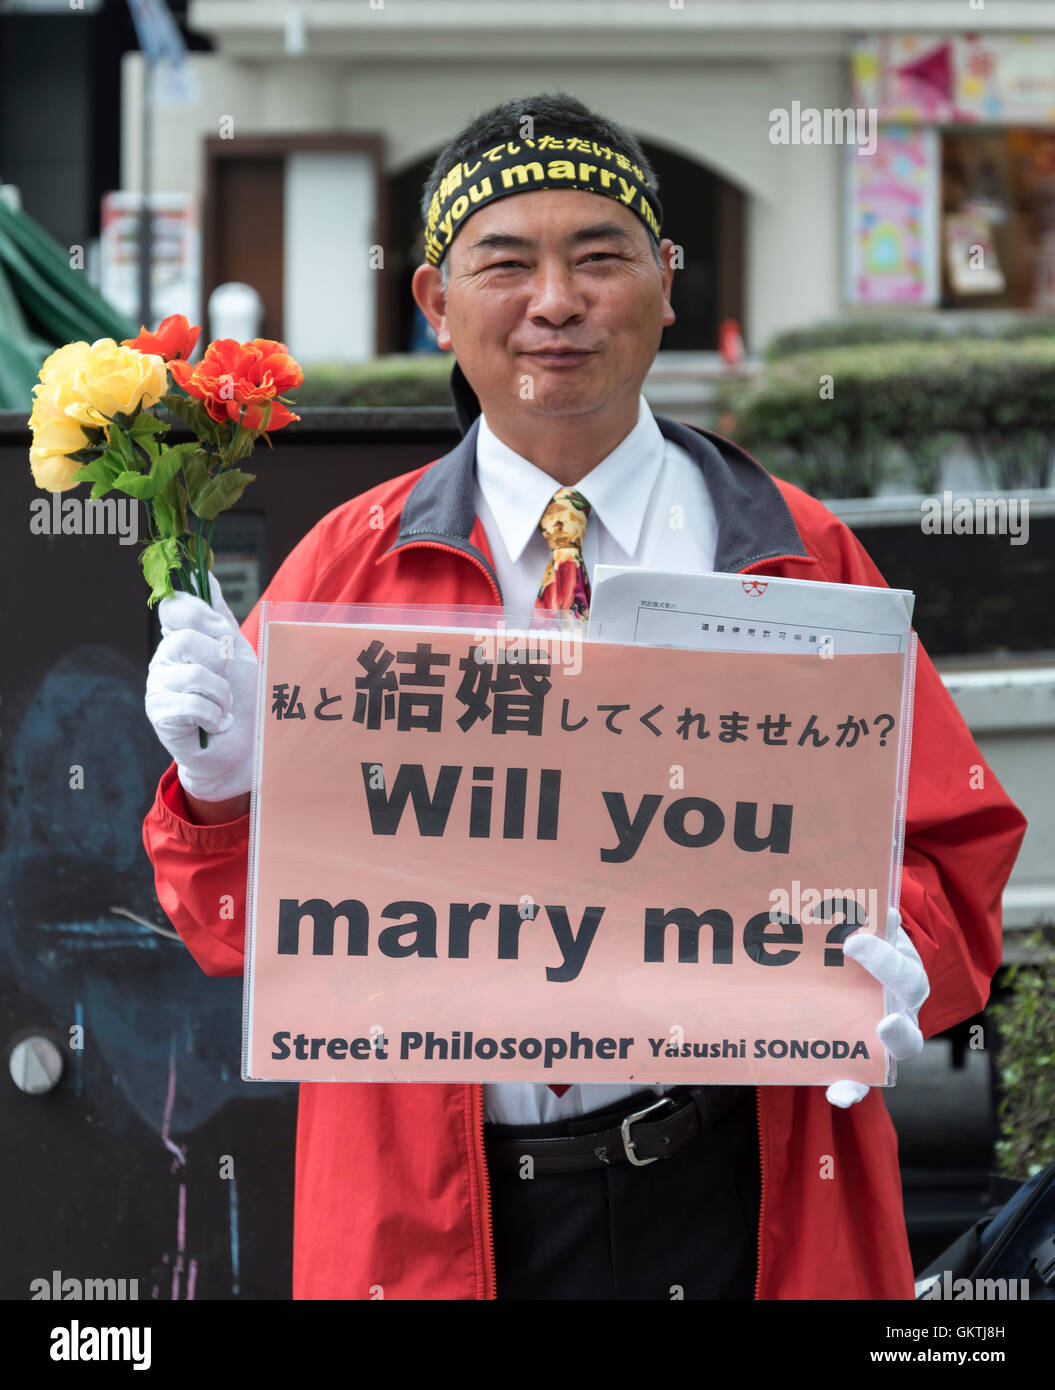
(624, 1128)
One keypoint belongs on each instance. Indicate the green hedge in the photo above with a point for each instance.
(411, 379)
(898, 406)
(1026, 1061)
(855, 332)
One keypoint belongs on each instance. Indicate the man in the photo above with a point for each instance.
(547, 275)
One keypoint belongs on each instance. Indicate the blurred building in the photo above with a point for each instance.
(816, 158)
(318, 122)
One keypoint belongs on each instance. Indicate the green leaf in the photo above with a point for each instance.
(135, 484)
(163, 470)
(120, 442)
(146, 424)
(165, 516)
(196, 475)
(99, 470)
(244, 444)
(176, 497)
(169, 463)
(192, 413)
(158, 559)
(222, 492)
(149, 446)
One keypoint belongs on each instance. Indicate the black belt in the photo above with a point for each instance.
(678, 1117)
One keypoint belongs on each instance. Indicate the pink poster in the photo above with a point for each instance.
(893, 233)
(992, 78)
(486, 861)
(905, 77)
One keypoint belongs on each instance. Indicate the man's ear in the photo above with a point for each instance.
(427, 289)
(666, 271)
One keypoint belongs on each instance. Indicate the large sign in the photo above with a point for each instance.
(490, 857)
(175, 258)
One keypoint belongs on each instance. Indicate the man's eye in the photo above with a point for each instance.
(605, 255)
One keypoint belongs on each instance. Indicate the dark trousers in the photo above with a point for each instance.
(683, 1227)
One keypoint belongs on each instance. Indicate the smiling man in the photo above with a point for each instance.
(558, 303)
(547, 277)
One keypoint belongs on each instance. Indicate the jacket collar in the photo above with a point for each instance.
(754, 521)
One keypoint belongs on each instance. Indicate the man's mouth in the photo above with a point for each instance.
(557, 355)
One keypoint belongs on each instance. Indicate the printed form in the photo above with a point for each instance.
(746, 613)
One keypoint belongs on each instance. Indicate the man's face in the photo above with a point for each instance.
(555, 305)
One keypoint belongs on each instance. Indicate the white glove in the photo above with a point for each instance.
(899, 968)
(203, 675)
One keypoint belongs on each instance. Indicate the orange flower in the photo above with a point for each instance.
(232, 376)
(174, 338)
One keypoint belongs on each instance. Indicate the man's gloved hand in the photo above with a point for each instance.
(203, 675)
(899, 968)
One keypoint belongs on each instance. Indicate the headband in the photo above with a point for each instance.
(549, 161)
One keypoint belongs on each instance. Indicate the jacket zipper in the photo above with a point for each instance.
(762, 1193)
(490, 1279)
(451, 550)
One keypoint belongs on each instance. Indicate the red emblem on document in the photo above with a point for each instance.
(755, 587)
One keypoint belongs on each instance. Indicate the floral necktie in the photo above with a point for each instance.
(565, 583)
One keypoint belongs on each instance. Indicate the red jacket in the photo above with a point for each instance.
(391, 1179)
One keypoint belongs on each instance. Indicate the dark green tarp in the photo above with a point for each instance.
(43, 304)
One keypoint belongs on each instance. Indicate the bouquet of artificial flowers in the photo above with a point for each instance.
(93, 420)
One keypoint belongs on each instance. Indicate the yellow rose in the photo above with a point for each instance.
(112, 379)
(52, 470)
(55, 433)
(61, 365)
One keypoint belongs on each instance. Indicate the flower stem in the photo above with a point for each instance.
(186, 569)
(204, 593)
(224, 462)
(203, 574)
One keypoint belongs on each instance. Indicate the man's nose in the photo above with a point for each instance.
(555, 295)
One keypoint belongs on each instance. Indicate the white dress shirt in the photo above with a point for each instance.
(650, 507)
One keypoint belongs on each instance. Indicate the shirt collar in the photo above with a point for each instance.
(618, 488)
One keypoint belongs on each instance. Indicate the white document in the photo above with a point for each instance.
(746, 613)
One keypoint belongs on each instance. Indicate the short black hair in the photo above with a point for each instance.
(552, 113)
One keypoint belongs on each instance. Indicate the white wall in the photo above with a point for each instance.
(1011, 714)
(330, 290)
(795, 237)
